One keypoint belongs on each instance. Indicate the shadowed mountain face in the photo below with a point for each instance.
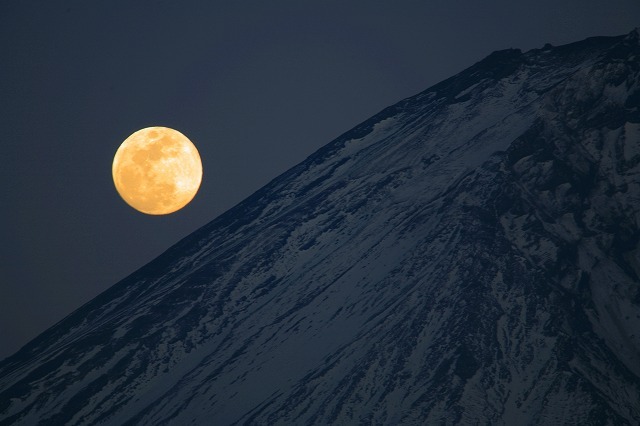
(468, 255)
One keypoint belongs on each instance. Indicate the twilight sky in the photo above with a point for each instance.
(257, 86)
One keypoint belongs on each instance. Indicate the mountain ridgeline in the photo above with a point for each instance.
(469, 255)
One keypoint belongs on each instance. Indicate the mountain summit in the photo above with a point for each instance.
(469, 255)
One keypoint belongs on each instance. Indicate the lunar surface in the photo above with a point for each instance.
(157, 170)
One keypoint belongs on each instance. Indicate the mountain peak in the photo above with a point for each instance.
(468, 254)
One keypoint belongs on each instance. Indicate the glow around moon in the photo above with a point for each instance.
(157, 170)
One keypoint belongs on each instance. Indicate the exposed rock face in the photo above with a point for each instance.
(469, 255)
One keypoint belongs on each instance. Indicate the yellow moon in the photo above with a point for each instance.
(157, 170)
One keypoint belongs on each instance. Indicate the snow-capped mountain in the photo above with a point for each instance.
(467, 256)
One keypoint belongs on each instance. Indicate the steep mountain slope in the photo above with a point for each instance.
(468, 255)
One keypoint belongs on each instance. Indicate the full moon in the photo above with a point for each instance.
(157, 170)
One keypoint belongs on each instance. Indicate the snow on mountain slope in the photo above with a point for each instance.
(467, 256)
